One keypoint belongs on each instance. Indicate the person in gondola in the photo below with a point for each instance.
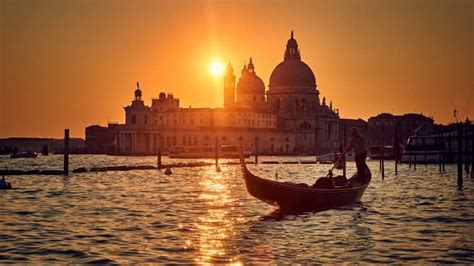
(357, 144)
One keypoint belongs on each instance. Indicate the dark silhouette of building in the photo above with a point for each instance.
(383, 128)
(288, 118)
(100, 139)
(13, 145)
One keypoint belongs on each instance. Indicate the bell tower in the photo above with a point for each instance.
(229, 87)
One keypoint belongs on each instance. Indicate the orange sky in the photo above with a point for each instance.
(70, 64)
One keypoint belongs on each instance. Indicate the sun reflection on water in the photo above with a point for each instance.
(215, 226)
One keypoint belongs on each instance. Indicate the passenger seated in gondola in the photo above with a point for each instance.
(331, 182)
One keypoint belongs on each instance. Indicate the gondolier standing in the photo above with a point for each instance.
(357, 144)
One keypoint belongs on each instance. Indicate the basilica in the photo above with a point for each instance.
(288, 118)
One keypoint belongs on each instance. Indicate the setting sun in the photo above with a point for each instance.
(216, 68)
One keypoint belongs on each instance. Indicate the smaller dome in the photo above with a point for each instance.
(162, 96)
(250, 82)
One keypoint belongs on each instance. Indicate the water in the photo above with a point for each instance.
(198, 216)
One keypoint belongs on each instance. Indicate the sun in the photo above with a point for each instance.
(216, 68)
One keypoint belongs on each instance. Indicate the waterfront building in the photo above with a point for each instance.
(383, 128)
(432, 143)
(288, 118)
(100, 139)
(14, 145)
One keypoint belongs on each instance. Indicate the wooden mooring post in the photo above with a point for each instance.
(256, 150)
(217, 154)
(344, 141)
(409, 161)
(466, 147)
(459, 154)
(472, 151)
(443, 160)
(382, 160)
(439, 143)
(159, 159)
(396, 149)
(414, 161)
(472, 154)
(396, 163)
(66, 152)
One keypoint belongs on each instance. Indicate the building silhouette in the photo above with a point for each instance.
(288, 118)
(385, 127)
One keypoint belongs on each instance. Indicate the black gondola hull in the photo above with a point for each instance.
(294, 197)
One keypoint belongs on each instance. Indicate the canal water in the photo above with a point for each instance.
(198, 215)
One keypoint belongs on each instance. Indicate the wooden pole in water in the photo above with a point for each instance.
(472, 151)
(344, 169)
(414, 161)
(256, 150)
(396, 148)
(443, 160)
(466, 148)
(438, 143)
(159, 159)
(459, 155)
(380, 158)
(409, 160)
(66, 152)
(396, 162)
(383, 162)
(217, 152)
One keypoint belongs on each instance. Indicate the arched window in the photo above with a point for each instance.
(304, 108)
(278, 105)
(297, 105)
(305, 125)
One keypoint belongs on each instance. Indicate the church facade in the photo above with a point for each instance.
(288, 118)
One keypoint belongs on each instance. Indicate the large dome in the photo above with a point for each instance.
(292, 71)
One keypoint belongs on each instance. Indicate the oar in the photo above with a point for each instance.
(338, 159)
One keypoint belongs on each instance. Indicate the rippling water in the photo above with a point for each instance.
(197, 215)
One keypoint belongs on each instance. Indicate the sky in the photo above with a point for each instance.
(74, 63)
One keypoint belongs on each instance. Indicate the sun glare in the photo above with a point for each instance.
(216, 68)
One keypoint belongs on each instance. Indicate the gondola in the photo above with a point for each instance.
(297, 197)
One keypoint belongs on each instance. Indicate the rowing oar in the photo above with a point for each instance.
(337, 161)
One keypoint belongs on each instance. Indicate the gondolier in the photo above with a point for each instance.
(357, 144)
